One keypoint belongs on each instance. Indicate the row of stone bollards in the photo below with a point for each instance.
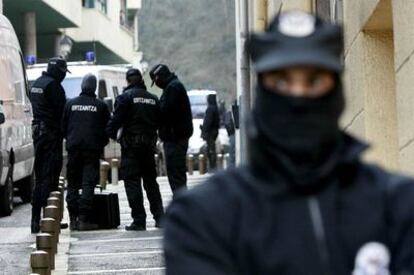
(222, 163)
(42, 259)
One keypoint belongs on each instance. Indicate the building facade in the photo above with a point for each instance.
(378, 63)
(71, 28)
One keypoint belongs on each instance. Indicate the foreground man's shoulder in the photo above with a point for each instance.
(220, 191)
(398, 188)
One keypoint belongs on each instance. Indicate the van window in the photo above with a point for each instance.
(115, 90)
(102, 92)
(26, 83)
(72, 86)
(12, 81)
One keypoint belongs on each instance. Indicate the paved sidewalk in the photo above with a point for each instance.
(118, 251)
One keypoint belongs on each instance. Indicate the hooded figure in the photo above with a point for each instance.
(83, 127)
(306, 202)
(210, 129)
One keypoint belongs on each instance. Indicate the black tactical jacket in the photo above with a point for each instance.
(84, 122)
(137, 112)
(177, 120)
(48, 101)
(247, 221)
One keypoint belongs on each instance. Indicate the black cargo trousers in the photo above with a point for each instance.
(82, 173)
(175, 160)
(211, 150)
(48, 144)
(138, 163)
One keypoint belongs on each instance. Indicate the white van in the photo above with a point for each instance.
(16, 144)
(111, 82)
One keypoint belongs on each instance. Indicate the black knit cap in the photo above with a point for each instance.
(297, 38)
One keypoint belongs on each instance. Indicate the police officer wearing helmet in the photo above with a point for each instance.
(84, 121)
(48, 101)
(176, 125)
(306, 202)
(137, 114)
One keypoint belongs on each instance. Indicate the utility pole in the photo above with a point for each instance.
(243, 77)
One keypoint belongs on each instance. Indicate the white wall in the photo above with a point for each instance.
(1, 6)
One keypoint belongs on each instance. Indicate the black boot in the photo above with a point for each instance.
(86, 225)
(74, 223)
(35, 225)
(135, 227)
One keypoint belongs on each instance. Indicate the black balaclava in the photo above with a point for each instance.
(89, 85)
(296, 135)
(57, 68)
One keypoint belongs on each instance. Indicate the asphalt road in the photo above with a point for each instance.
(16, 241)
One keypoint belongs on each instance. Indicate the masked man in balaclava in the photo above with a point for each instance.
(48, 102)
(305, 203)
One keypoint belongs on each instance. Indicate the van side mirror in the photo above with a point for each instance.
(110, 103)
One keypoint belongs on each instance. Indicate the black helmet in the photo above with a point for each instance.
(297, 38)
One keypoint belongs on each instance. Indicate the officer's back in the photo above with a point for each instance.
(85, 119)
(137, 112)
(48, 96)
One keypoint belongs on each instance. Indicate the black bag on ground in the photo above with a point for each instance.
(106, 210)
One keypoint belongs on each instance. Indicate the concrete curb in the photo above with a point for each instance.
(62, 257)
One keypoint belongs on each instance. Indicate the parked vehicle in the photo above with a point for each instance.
(111, 82)
(16, 144)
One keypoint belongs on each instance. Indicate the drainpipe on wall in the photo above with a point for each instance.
(243, 77)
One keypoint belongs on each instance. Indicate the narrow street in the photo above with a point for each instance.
(118, 251)
(93, 252)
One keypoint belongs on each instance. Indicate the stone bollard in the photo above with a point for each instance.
(202, 164)
(58, 194)
(49, 225)
(53, 212)
(39, 262)
(157, 164)
(190, 164)
(44, 242)
(104, 174)
(55, 202)
(226, 160)
(220, 161)
(114, 171)
(62, 183)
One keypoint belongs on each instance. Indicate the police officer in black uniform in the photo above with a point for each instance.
(305, 203)
(135, 123)
(176, 125)
(84, 122)
(48, 101)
